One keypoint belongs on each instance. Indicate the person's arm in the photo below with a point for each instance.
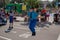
(39, 17)
(27, 16)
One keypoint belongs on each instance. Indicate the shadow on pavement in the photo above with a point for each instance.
(2, 25)
(57, 23)
(44, 24)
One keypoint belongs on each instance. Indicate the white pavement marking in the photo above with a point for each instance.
(13, 31)
(58, 37)
(25, 35)
(21, 28)
(5, 38)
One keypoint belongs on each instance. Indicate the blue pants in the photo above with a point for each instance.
(11, 19)
(32, 25)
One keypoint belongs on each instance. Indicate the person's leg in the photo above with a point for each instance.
(10, 26)
(42, 22)
(56, 18)
(11, 23)
(32, 27)
(47, 18)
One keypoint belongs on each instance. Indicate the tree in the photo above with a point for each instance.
(31, 3)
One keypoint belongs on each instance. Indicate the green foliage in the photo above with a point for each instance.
(31, 3)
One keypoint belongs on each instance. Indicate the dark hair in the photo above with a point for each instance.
(10, 11)
(32, 8)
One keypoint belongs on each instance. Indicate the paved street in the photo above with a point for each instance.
(47, 12)
(21, 32)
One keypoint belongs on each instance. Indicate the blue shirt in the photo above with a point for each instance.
(34, 15)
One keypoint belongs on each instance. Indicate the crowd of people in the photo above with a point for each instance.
(44, 14)
(33, 16)
(2, 17)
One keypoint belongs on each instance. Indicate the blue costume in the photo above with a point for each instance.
(32, 20)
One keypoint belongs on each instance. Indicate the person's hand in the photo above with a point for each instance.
(39, 16)
(25, 16)
(42, 16)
